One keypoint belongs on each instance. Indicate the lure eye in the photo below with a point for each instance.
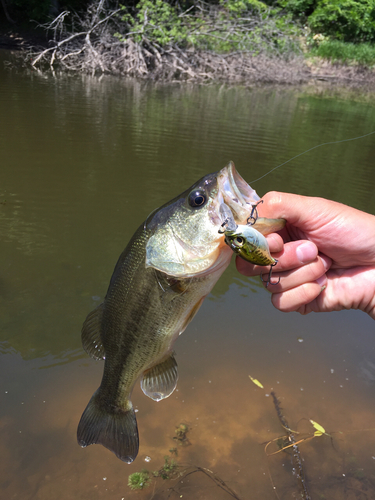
(238, 241)
(197, 198)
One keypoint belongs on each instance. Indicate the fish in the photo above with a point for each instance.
(160, 280)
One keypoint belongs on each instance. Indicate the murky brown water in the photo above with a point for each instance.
(83, 162)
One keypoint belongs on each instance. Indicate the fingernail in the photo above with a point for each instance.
(322, 281)
(327, 262)
(306, 252)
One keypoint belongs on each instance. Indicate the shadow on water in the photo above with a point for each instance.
(84, 161)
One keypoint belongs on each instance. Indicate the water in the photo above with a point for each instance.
(83, 162)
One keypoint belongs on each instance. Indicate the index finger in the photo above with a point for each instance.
(293, 255)
(296, 209)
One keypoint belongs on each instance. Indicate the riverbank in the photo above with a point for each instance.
(126, 58)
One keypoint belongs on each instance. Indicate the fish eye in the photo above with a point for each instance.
(238, 241)
(197, 198)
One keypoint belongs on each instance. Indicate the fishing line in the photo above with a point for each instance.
(314, 147)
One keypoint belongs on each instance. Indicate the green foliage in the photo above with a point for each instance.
(169, 468)
(335, 50)
(139, 480)
(230, 25)
(299, 7)
(346, 20)
(242, 6)
(159, 21)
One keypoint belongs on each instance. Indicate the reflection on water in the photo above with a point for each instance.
(83, 163)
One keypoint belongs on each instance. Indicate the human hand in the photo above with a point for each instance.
(326, 255)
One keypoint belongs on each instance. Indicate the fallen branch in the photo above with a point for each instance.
(54, 25)
(296, 454)
(57, 46)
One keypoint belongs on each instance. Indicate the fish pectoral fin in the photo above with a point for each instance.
(170, 286)
(268, 226)
(91, 340)
(116, 429)
(161, 380)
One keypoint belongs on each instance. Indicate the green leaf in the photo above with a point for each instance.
(256, 382)
(319, 429)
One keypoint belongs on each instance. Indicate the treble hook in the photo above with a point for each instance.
(222, 227)
(252, 220)
(268, 281)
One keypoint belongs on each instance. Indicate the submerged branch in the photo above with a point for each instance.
(207, 472)
(296, 454)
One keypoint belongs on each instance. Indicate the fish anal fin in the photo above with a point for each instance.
(116, 430)
(268, 226)
(160, 380)
(91, 340)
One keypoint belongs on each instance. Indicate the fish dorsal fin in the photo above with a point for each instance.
(161, 380)
(91, 340)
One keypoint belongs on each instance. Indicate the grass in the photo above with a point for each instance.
(344, 52)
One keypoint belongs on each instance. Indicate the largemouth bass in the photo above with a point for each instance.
(160, 280)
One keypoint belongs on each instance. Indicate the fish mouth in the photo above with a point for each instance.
(235, 193)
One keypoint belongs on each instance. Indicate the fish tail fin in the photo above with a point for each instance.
(116, 430)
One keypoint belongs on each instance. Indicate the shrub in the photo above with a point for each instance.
(299, 8)
(346, 20)
(230, 25)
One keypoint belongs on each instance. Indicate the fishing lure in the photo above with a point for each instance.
(253, 247)
(248, 242)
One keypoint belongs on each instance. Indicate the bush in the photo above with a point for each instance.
(299, 8)
(345, 20)
(230, 25)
